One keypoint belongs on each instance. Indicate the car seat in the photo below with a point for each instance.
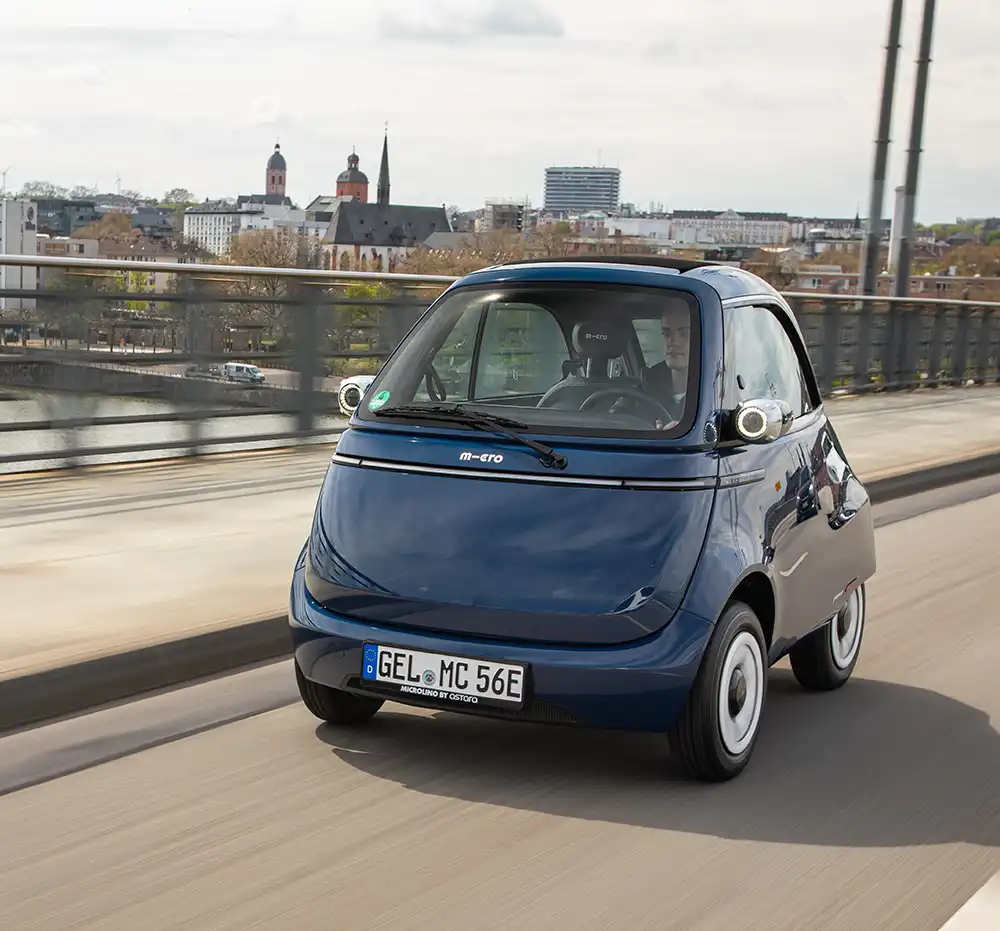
(598, 347)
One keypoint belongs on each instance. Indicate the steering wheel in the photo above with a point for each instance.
(644, 400)
(560, 388)
(436, 390)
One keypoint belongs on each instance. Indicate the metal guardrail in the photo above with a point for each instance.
(321, 324)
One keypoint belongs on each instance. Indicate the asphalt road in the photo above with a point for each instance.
(224, 806)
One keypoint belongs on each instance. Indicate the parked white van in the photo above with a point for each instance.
(242, 371)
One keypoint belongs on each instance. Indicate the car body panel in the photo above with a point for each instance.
(805, 523)
(810, 545)
(513, 559)
(639, 686)
(606, 577)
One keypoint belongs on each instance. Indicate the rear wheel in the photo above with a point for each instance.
(825, 659)
(335, 706)
(716, 732)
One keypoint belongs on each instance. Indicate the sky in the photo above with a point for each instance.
(702, 104)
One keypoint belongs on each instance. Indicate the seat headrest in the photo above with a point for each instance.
(598, 340)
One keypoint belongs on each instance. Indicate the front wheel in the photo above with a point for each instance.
(335, 706)
(825, 659)
(716, 732)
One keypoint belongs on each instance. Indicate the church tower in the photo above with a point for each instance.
(353, 182)
(383, 174)
(276, 171)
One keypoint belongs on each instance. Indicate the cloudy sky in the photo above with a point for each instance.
(750, 104)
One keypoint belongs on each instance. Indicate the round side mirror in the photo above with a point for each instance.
(762, 420)
(352, 392)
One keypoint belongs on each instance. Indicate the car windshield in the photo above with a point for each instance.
(589, 360)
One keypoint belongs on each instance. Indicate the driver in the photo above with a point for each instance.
(667, 380)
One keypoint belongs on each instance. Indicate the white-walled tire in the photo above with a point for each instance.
(825, 659)
(716, 733)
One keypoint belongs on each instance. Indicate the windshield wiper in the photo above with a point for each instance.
(502, 425)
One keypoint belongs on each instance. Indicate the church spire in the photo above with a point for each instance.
(383, 172)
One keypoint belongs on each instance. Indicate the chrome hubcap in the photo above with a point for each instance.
(741, 693)
(846, 629)
(737, 692)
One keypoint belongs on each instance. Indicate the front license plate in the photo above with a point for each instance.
(457, 679)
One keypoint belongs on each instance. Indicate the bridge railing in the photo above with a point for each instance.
(95, 367)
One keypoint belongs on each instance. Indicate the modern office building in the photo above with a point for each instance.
(581, 189)
(18, 236)
(508, 215)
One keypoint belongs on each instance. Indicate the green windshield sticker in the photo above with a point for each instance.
(378, 401)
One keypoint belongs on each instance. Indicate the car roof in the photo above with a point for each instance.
(655, 270)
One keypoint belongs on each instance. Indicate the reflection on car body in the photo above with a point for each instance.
(610, 481)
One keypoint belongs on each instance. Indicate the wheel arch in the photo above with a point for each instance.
(733, 566)
(752, 586)
(757, 593)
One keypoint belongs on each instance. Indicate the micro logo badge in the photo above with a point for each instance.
(481, 457)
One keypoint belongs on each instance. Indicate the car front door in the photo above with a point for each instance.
(765, 359)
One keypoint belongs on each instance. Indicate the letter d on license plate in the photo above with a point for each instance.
(442, 677)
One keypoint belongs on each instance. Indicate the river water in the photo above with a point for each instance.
(29, 406)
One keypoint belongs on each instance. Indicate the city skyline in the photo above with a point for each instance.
(804, 122)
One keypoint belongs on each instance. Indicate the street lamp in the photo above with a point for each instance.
(902, 283)
(873, 235)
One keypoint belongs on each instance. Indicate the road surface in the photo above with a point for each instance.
(225, 806)
(156, 554)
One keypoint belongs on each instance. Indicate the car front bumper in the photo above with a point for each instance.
(638, 686)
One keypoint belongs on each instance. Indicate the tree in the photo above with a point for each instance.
(264, 249)
(270, 249)
(178, 197)
(41, 190)
(66, 314)
(495, 247)
(362, 326)
(82, 192)
(551, 240)
(115, 226)
(971, 259)
(80, 303)
(850, 262)
(777, 270)
(479, 250)
(134, 283)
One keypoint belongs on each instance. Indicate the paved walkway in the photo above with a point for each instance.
(227, 806)
(123, 557)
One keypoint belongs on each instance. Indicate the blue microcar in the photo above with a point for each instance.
(603, 493)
